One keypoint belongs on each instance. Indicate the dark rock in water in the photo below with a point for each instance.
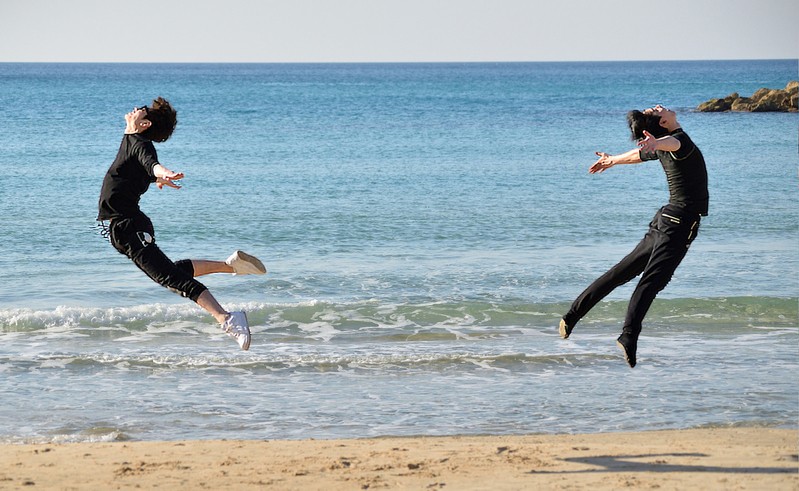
(774, 100)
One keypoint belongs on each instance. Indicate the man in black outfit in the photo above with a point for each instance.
(131, 231)
(671, 232)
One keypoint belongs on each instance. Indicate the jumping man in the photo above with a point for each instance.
(671, 231)
(131, 231)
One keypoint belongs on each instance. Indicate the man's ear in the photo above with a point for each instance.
(145, 123)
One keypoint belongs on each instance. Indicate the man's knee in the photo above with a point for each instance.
(186, 266)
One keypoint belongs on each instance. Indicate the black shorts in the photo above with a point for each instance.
(135, 238)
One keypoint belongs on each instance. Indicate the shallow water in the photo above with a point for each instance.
(424, 225)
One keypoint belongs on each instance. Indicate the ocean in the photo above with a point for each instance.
(424, 225)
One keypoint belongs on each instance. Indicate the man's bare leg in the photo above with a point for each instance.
(204, 267)
(238, 263)
(209, 303)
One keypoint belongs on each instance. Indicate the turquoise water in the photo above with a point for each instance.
(425, 226)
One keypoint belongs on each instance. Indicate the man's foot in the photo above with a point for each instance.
(629, 344)
(243, 263)
(237, 327)
(565, 329)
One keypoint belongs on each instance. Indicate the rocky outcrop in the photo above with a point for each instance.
(779, 100)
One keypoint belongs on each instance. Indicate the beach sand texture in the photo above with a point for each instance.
(732, 458)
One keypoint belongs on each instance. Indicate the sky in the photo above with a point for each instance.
(395, 30)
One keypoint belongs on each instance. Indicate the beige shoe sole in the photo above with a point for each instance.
(562, 328)
(243, 263)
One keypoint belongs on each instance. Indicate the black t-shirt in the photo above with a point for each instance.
(128, 178)
(685, 172)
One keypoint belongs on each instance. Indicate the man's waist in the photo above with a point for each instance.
(685, 210)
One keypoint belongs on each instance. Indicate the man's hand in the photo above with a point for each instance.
(649, 143)
(665, 144)
(166, 177)
(168, 181)
(603, 163)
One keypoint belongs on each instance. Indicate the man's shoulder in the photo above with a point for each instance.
(137, 139)
(137, 143)
(687, 145)
(680, 134)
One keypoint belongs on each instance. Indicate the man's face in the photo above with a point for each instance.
(667, 116)
(138, 117)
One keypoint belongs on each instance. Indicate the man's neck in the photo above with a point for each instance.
(130, 129)
(673, 128)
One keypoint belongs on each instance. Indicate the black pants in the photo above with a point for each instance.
(135, 238)
(656, 256)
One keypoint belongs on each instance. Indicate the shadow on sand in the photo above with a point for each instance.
(623, 463)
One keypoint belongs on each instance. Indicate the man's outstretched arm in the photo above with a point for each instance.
(606, 161)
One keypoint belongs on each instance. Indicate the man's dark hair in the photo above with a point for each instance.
(638, 122)
(163, 119)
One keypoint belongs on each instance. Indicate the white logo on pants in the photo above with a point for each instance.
(145, 238)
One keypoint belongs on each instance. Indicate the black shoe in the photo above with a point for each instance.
(629, 344)
(565, 329)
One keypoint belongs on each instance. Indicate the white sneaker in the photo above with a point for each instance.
(243, 263)
(237, 327)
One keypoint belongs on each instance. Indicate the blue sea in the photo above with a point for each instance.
(424, 225)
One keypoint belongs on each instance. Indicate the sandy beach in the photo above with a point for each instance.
(738, 458)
